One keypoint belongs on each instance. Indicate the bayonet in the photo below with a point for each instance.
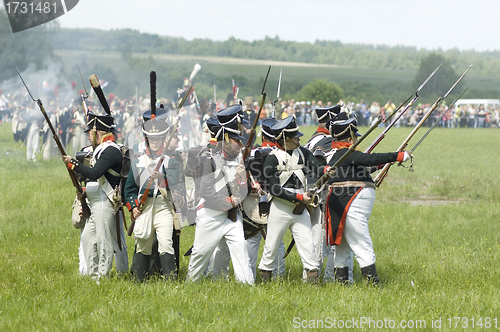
(437, 122)
(383, 173)
(246, 152)
(273, 115)
(79, 190)
(84, 86)
(384, 132)
(83, 97)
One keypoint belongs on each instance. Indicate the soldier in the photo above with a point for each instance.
(285, 172)
(223, 185)
(121, 256)
(255, 166)
(159, 211)
(321, 139)
(322, 145)
(99, 236)
(129, 124)
(79, 137)
(350, 200)
(33, 138)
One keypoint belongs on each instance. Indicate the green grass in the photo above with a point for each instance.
(435, 261)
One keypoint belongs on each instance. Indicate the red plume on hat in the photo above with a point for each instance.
(0, 92)
(73, 85)
(80, 92)
(56, 91)
(111, 97)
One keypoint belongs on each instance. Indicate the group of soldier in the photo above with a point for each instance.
(241, 194)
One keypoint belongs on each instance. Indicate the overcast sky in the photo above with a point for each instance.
(430, 24)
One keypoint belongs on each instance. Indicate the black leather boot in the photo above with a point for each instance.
(168, 267)
(265, 276)
(141, 266)
(369, 272)
(341, 274)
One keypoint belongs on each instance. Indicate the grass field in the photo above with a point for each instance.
(435, 233)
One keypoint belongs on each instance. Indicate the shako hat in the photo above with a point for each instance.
(155, 127)
(231, 113)
(265, 127)
(231, 129)
(341, 126)
(326, 113)
(286, 128)
(160, 114)
(100, 122)
(213, 124)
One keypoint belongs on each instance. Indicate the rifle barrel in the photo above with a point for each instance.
(437, 122)
(246, 153)
(382, 135)
(383, 173)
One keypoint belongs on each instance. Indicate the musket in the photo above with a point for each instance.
(79, 190)
(383, 173)
(317, 186)
(248, 146)
(435, 124)
(149, 184)
(83, 97)
(94, 81)
(382, 135)
(273, 113)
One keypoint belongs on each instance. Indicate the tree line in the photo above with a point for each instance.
(128, 41)
(37, 45)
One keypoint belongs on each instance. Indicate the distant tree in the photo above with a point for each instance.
(442, 81)
(321, 89)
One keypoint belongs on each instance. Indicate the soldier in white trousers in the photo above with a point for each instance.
(285, 169)
(100, 234)
(323, 146)
(223, 186)
(350, 200)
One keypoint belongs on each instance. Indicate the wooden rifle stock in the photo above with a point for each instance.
(299, 209)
